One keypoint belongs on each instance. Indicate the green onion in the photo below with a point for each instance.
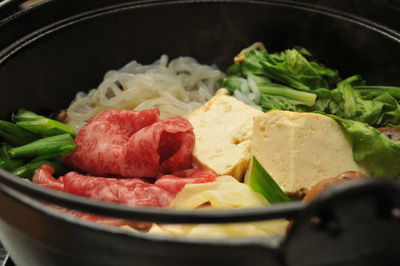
(54, 146)
(263, 183)
(6, 162)
(65, 150)
(41, 125)
(10, 164)
(28, 170)
(14, 134)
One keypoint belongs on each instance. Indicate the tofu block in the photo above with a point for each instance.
(223, 128)
(300, 149)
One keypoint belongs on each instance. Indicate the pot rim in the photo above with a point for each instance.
(264, 241)
(275, 211)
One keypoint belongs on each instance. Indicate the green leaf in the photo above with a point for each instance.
(370, 92)
(356, 108)
(253, 63)
(390, 115)
(347, 102)
(376, 151)
(263, 183)
(291, 80)
(296, 71)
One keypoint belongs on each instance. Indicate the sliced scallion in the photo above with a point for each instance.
(263, 183)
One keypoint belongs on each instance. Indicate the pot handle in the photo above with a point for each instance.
(356, 222)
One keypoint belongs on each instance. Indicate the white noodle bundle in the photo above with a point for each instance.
(175, 88)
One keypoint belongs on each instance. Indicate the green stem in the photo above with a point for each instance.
(263, 183)
(276, 89)
(6, 162)
(29, 169)
(59, 145)
(41, 125)
(14, 134)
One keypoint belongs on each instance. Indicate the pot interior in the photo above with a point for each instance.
(44, 72)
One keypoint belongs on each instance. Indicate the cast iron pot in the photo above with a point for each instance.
(57, 48)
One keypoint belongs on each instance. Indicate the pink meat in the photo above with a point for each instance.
(176, 182)
(133, 144)
(132, 191)
(165, 146)
(128, 191)
(44, 176)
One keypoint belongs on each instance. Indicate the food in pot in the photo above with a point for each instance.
(225, 193)
(300, 149)
(133, 144)
(223, 128)
(391, 132)
(185, 147)
(324, 184)
(293, 80)
(128, 191)
(174, 87)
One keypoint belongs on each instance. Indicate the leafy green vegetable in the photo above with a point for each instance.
(271, 95)
(27, 135)
(46, 148)
(289, 67)
(14, 134)
(263, 183)
(291, 80)
(391, 114)
(370, 92)
(377, 152)
(41, 125)
(28, 170)
(347, 102)
(354, 107)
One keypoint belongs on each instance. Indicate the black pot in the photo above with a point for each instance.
(51, 51)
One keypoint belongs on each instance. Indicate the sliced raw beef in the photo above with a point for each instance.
(133, 144)
(44, 176)
(175, 183)
(165, 146)
(129, 191)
